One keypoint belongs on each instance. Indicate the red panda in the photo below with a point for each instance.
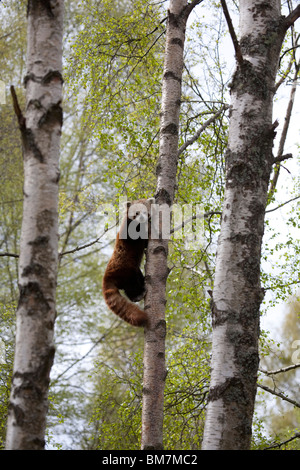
(123, 269)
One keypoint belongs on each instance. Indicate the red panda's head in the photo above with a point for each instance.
(140, 210)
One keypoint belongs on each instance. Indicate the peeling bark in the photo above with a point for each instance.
(237, 293)
(40, 129)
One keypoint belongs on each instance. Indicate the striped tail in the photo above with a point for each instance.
(122, 307)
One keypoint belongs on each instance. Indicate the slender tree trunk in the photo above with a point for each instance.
(237, 293)
(157, 253)
(41, 130)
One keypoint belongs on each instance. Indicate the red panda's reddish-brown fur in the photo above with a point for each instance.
(123, 270)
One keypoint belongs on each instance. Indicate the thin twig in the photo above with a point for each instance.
(284, 132)
(279, 444)
(279, 371)
(87, 245)
(282, 158)
(194, 217)
(236, 44)
(283, 204)
(279, 394)
(94, 345)
(11, 255)
(201, 129)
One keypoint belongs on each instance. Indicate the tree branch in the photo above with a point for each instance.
(292, 17)
(282, 158)
(236, 44)
(201, 129)
(279, 394)
(17, 109)
(191, 6)
(11, 255)
(279, 371)
(87, 245)
(284, 133)
(283, 204)
(94, 345)
(194, 217)
(279, 444)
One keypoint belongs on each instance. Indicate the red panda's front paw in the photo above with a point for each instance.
(139, 297)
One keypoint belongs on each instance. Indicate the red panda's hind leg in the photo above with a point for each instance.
(135, 288)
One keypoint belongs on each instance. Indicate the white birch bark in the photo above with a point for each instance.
(41, 130)
(157, 252)
(237, 292)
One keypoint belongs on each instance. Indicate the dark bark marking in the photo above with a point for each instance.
(40, 240)
(241, 174)
(33, 389)
(161, 328)
(157, 446)
(163, 197)
(36, 103)
(28, 140)
(44, 220)
(34, 269)
(231, 390)
(174, 20)
(261, 9)
(245, 317)
(254, 167)
(36, 382)
(18, 413)
(178, 42)
(52, 116)
(40, 5)
(54, 75)
(32, 297)
(170, 74)
(17, 109)
(170, 129)
(37, 443)
(247, 79)
(30, 145)
(160, 249)
(158, 169)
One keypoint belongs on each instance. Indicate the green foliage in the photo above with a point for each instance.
(12, 42)
(115, 414)
(116, 64)
(6, 363)
(11, 182)
(280, 257)
(186, 389)
(113, 69)
(115, 411)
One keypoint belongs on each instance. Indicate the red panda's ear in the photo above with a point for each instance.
(151, 200)
(126, 204)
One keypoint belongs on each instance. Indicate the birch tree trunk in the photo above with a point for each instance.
(40, 130)
(157, 252)
(237, 293)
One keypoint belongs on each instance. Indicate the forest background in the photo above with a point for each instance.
(113, 59)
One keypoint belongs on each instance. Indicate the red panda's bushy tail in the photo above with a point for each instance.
(122, 307)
